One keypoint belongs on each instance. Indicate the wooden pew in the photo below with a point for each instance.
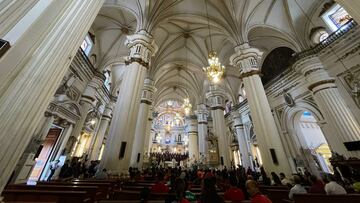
(278, 196)
(321, 198)
(91, 191)
(12, 195)
(104, 189)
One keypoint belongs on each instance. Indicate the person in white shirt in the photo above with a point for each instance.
(284, 180)
(297, 189)
(332, 187)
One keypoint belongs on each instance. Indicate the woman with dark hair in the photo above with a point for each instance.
(179, 189)
(208, 194)
(276, 179)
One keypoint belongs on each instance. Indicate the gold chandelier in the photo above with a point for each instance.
(215, 70)
(187, 106)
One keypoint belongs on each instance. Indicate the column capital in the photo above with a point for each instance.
(236, 116)
(314, 72)
(142, 46)
(202, 114)
(216, 96)
(247, 59)
(148, 91)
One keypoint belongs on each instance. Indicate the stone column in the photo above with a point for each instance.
(351, 6)
(100, 134)
(192, 128)
(217, 100)
(122, 129)
(240, 135)
(247, 59)
(32, 70)
(138, 148)
(11, 11)
(86, 104)
(332, 105)
(68, 128)
(202, 114)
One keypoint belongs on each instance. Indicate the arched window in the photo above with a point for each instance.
(335, 17)
(107, 81)
(87, 44)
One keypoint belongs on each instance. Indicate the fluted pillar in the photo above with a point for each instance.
(122, 129)
(217, 100)
(240, 135)
(332, 105)
(138, 148)
(32, 70)
(100, 134)
(192, 130)
(247, 59)
(11, 12)
(202, 114)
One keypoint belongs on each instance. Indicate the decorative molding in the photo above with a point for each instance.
(138, 60)
(250, 73)
(322, 82)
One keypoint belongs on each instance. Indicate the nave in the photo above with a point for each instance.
(105, 100)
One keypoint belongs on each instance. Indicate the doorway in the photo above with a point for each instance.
(44, 154)
(312, 142)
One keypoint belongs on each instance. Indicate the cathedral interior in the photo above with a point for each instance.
(259, 85)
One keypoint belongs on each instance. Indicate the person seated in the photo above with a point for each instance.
(179, 192)
(254, 191)
(101, 174)
(332, 187)
(160, 186)
(208, 193)
(284, 180)
(297, 188)
(234, 194)
(275, 179)
(317, 186)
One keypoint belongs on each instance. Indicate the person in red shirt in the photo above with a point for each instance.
(317, 186)
(160, 186)
(256, 196)
(234, 194)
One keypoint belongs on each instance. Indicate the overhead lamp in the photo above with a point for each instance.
(187, 106)
(215, 70)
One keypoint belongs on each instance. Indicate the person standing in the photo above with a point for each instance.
(53, 166)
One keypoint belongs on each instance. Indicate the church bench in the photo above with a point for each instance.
(278, 196)
(321, 198)
(90, 190)
(135, 195)
(104, 189)
(149, 201)
(13, 195)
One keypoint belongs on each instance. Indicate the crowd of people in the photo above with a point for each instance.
(78, 169)
(237, 184)
(167, 156)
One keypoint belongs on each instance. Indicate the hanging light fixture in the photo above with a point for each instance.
(215, 70)
(187, 106)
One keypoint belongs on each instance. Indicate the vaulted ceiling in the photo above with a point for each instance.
(180, 29)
